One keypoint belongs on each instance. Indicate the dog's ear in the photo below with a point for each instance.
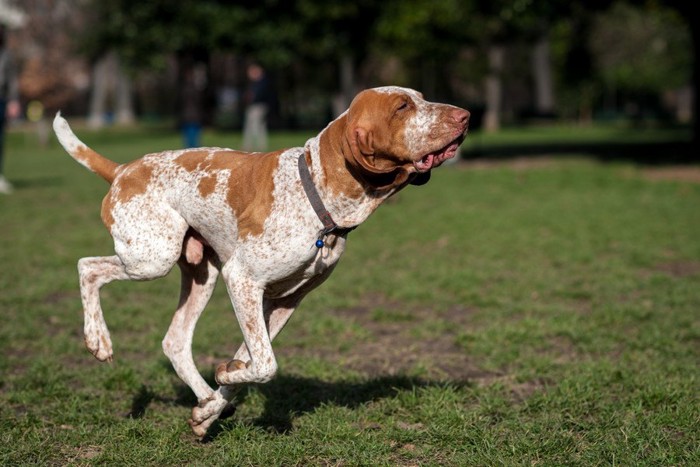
(363, 151)
(363, 155)
(363, 138)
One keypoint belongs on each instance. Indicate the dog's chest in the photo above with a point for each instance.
(289, 272)
(285, 256)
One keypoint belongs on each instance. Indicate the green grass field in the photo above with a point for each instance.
(530, 311)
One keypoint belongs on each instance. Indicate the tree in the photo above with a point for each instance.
(426, 35)
(641, 50)
(687, 11)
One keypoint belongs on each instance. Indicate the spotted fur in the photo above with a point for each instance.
(245, 216)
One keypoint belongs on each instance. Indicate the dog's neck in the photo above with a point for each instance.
(349, 196)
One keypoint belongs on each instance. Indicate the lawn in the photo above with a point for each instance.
(520, 311)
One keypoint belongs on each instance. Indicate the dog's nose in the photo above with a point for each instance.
(461, 116)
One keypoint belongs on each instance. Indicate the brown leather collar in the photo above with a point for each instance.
(329, 225)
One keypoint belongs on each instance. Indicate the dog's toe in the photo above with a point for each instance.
(206, 412)
(100, 348)
(199, 429)
(225, 368)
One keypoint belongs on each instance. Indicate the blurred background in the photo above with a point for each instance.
(511, 62)
(535, 303)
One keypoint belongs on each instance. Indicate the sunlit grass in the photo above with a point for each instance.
(565, 295)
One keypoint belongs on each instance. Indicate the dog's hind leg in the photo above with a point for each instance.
(94, 273)
(198, 281)
(140, 256)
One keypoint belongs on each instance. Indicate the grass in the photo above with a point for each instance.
(544, 312)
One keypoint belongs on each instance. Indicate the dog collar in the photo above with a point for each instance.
(329, 225)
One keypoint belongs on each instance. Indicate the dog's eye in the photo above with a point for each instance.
(403, 106)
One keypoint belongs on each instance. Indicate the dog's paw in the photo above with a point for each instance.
(200, 426)
(100, 346)
(205, 413)
(221, 375)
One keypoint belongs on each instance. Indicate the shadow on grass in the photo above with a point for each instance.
(289, 396)
(646, 153)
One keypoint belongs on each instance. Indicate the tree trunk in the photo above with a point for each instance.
(494, 91)
(100, 91)
(124, 99)
(341, 101)
(687, 10)
(542, 75)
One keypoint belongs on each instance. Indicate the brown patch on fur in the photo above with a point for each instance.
(250, 327)
(191, 160)
(99, 164)
(134, 181)
(250, 187)
(207, 185)
(235, 365)
(333, 158)
(106, 213)
(373, 140)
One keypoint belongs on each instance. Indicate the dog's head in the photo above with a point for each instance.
(395, 136)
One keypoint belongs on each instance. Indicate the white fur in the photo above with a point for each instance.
(266, 274)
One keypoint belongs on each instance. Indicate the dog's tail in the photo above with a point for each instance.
(79, 151)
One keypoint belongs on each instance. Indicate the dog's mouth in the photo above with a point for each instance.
(435, 158)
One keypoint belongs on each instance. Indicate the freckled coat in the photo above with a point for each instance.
(247, 216)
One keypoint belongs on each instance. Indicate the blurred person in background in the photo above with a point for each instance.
(9, 101)
(258, 97)
(192, 102)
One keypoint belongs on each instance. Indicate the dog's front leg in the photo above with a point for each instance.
(247, 298)
(276, 312)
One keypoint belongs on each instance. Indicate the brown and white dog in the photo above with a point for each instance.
(252, 219)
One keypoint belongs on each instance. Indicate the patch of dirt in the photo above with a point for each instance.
(679, 269)
(677, 173)
(83, 453)
(406, 340)
(61, 296)
(520, 391)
